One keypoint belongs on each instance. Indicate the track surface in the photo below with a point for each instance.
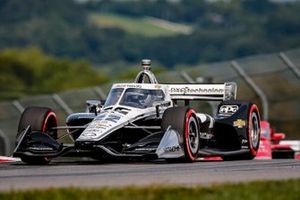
(94, 174)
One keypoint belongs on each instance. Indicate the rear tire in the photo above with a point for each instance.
(253, 135)
(253, 130)
(40, 119)
(184, 121)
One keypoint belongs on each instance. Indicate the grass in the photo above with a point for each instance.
(142, 26)
(263, 190)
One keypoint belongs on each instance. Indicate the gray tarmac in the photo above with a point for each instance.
(92, 174)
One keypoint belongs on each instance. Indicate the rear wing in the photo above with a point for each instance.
(212, 92)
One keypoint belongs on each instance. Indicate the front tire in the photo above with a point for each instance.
(184, 121)
(40, 119)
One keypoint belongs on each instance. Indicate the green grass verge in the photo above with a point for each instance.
(275, 190)
(140, 26)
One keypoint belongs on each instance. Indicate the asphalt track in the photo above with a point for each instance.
(15, 176)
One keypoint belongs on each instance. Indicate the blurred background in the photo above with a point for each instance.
(59, 53)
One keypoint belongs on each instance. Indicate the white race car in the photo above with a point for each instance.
(146, 120)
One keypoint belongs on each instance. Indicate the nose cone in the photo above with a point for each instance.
(108, 122)
(100, 127)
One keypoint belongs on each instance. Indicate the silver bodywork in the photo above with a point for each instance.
(110, 118)
(169, 146)
(116, 114)
(129, 123)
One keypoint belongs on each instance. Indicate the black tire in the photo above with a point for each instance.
(253, 135)
(183, 120)
(40, 119)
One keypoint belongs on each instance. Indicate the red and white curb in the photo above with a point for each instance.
(4, 159)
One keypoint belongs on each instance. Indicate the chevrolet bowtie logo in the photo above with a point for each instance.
(239, 123)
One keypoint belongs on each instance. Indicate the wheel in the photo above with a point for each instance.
(253, 135)
(184, 120)
(253, 131)
(40, 119)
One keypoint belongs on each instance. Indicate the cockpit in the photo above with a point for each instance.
(134, 97)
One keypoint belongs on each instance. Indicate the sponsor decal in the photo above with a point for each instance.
(41, 148)
(90, 133)
(162, 104)
(171, 149)
(99, 125)
(196, 90)
(95, 128)
(129, 85)
(228, 109)
(239, 123)
(145, 149)
(244, 141)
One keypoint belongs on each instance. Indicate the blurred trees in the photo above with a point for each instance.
(222, 30)
(29, 71)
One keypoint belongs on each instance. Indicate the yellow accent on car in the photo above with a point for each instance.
(239, 123)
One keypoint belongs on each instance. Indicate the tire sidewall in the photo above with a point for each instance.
(188, 152)
(252, 148)
(178, 118)
(40, 119)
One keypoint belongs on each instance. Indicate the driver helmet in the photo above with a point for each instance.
(136, 97)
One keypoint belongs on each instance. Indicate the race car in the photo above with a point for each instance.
(273, 146)
(265, 145)
(282, 148)
(287, 149)
(145, 120)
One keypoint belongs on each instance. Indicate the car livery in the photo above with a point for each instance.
(146, 120)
